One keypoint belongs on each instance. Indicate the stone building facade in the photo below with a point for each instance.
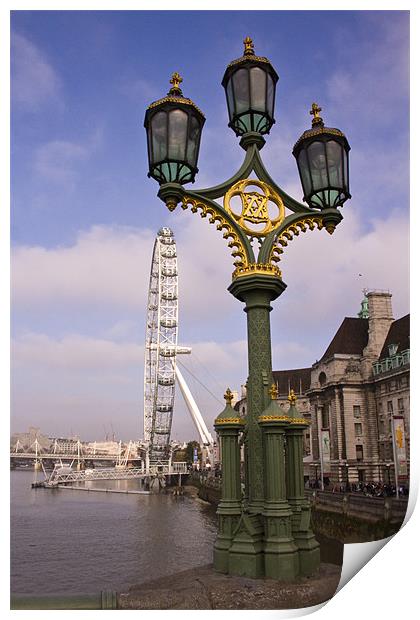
(352, 395)
(358, 385)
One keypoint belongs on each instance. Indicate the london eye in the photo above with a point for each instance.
(161, 350)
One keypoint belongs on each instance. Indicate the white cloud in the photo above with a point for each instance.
(111, 265)
(323, 270)
(90, 380)
(108, 269)
(74, 352)
(33, 79)
(105, 265)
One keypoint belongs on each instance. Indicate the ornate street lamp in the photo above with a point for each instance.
(173, 125)
(254, 208)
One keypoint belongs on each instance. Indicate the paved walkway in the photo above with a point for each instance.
(203, 588)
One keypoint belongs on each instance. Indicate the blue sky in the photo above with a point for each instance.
(84, 213)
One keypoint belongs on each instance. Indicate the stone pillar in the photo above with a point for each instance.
(228, 425)
(308, 547)
(257, 290)
(281, 560)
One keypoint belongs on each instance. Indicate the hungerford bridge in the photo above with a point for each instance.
(151, 458)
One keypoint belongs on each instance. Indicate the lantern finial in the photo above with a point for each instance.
(292, 398)
(249, 47)
(315, 110)
(273, 392)
(175, 81)
(228, 397)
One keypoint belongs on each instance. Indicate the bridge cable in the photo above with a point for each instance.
(198, 380)
(216, 382)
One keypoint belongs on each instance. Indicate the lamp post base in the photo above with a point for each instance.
(246, 556)
(308, 546)
(227, 525)
(281, 557)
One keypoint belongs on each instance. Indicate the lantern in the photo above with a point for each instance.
(250, 85)
(173, 125)
(322, 159)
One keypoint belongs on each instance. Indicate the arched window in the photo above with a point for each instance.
(322, 378)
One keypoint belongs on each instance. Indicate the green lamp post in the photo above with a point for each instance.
(307, 545)
(254, 208)
(228, 426)
(280, 551)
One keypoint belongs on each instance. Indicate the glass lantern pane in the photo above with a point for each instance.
(258, 89)
(304, 172)
(230, 100)
(241, 90)
(335, 164)
(261, 123)
(158, 132)
(177, 138)
(318, 165)
(270, 96)
(346, 169)
(193, 139)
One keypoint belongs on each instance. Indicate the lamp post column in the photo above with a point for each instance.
(308, 547)
(257, 290)
(228, 425)
(281, 560)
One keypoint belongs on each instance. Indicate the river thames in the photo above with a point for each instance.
(69, 541)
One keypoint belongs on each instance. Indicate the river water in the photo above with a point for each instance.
(69, 541)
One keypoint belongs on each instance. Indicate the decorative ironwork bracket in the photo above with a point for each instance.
(281, 230)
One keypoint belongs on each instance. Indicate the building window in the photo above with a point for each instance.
(381, 426)
(359, 453)
(390, 408)
(392, 349)
(307, 445)
(358, 430)
(356, 411)
(401, 406)
(381, 452)
(322, 378)
(325, 418)
(380, 408)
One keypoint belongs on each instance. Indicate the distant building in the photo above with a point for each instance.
(22, 442)
(353, 395)
(64, 445)
(103, 447)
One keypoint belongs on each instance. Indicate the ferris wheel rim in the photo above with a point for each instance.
(161, 341)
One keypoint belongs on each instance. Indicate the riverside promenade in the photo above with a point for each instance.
(203, 588)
